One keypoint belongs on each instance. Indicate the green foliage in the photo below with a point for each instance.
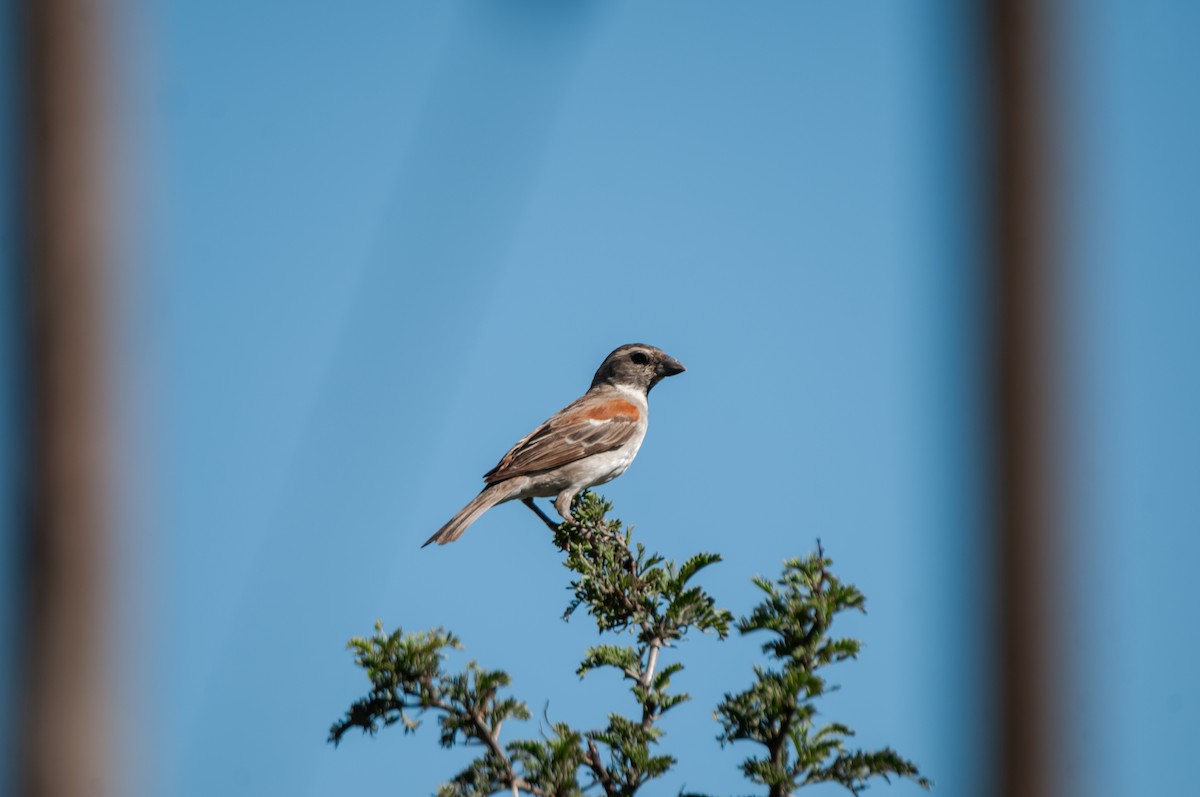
(647, 604)
(624, 589)
(777, 711)
(406, 676)
(553, 762)
(627, 590)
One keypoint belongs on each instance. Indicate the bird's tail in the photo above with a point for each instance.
(459, 524)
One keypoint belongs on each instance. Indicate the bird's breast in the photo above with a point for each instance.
(608, 465)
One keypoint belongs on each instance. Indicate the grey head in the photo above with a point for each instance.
(637, 365)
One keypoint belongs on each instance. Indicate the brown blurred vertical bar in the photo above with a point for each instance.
(63, 729)
(1025, 339)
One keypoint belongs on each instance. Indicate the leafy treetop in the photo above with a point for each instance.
(646, 603)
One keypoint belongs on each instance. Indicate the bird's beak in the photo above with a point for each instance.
(669, 367)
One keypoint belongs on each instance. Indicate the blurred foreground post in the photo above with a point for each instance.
(62, 728)
(1025, 340)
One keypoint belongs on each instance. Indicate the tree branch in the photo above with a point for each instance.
(649, 705)
(776, 747)
(596, 764)
(537, 510)
(489, 737)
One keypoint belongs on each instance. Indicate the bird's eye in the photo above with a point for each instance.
(639, 357)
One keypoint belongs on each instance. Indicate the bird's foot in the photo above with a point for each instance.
(563, 505)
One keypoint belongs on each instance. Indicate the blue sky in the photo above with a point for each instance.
(386, 244)
(370, 245)
(1135, 380)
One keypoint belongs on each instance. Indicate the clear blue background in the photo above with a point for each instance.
(369, 245)
(391, 239)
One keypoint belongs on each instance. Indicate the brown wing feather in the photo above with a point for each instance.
(574, 433)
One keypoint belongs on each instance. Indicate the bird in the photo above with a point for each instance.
(590, 441)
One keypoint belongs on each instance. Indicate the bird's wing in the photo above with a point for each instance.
(588, 426)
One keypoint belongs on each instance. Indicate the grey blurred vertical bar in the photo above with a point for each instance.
(62, 733)
(1024, 283)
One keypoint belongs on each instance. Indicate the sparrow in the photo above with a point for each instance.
(590, 441)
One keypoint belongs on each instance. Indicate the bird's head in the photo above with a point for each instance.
(637, 365)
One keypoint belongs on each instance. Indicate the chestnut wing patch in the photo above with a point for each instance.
(571, 435)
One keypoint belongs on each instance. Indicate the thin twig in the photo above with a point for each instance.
(538, 511)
